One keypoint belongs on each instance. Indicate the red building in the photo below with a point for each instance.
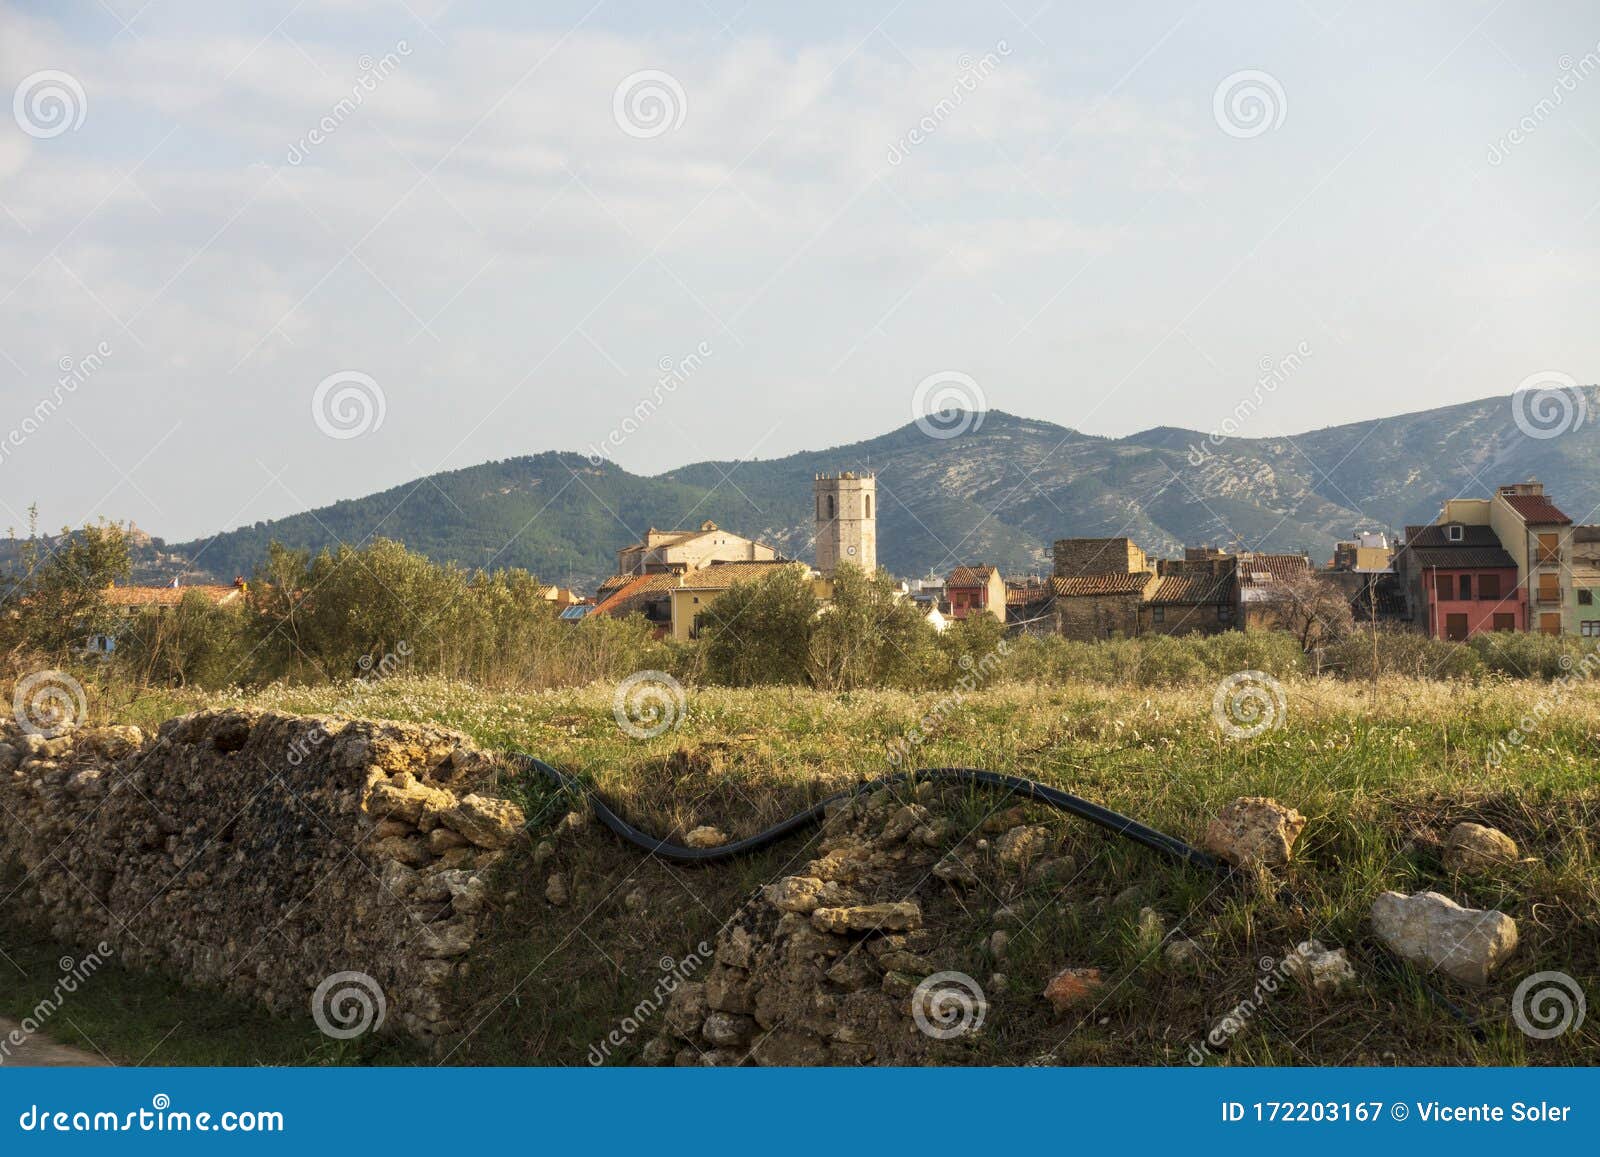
(1460, 581)
(971, 589)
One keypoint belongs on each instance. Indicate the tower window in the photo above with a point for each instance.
(867, 498)
(830, 508)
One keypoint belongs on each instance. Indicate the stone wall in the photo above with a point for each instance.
(1089, 617)
(260, 853)
(1082, 556)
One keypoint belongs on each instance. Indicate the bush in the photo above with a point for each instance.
(1528, 656)
(1401, 652)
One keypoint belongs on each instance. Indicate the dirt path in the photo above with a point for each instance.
(38, 1050)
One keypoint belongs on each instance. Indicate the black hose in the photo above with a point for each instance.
(1131, 829)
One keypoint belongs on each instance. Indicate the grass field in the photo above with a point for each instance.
(1381, 773)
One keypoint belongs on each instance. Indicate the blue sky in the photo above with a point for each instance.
(1061, 210)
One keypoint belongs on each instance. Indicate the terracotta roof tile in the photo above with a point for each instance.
(721, 575)
(169, 596)
(634, 594)
(969, 576)
(1193, 590)
(1536, 508)
(1113, 583)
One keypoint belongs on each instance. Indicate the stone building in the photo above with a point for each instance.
(1101, 606)
(679, 551)
(1202, 603)
(1085, 556)
(847, 521)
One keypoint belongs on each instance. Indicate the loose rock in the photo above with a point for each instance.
(705, 836)
(1254, 829)
(897, 916)
(1471, 847)
(1434, 931)
(1073, 987)
(1318, 969)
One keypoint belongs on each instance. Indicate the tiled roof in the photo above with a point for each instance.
(1277, 566)
(1114, 583)
(1461, 557)
(633, 595)
(1536, 508)
(1434, 534)
(969, 576)
(168, 596)
(1193, 589)
(615, 581)
(1022, 596)
(721, 575)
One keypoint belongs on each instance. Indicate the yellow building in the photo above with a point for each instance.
(694, 593)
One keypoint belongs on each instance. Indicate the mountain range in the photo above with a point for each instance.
(997, 493)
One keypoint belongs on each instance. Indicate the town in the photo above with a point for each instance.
(1510, 562)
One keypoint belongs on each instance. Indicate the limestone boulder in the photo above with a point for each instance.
(1254, 830)
(1432, 931)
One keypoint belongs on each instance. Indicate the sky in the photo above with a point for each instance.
(255, 258)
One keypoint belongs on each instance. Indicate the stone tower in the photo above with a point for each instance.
(847, 521)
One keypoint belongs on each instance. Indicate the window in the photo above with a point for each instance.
(830, 508)
(1504, 621)
(1549, 624)
(1549, 548)
(1224, 613)
(1454, 532)
(1585, 597)
(1590, 629)
(1488, 586)
(867, 498)
(1158, 614)
(1466, 586)
(1442, 585)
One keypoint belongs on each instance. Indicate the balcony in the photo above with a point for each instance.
(1547, 598)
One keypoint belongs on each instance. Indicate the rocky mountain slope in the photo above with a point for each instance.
(998, 493)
